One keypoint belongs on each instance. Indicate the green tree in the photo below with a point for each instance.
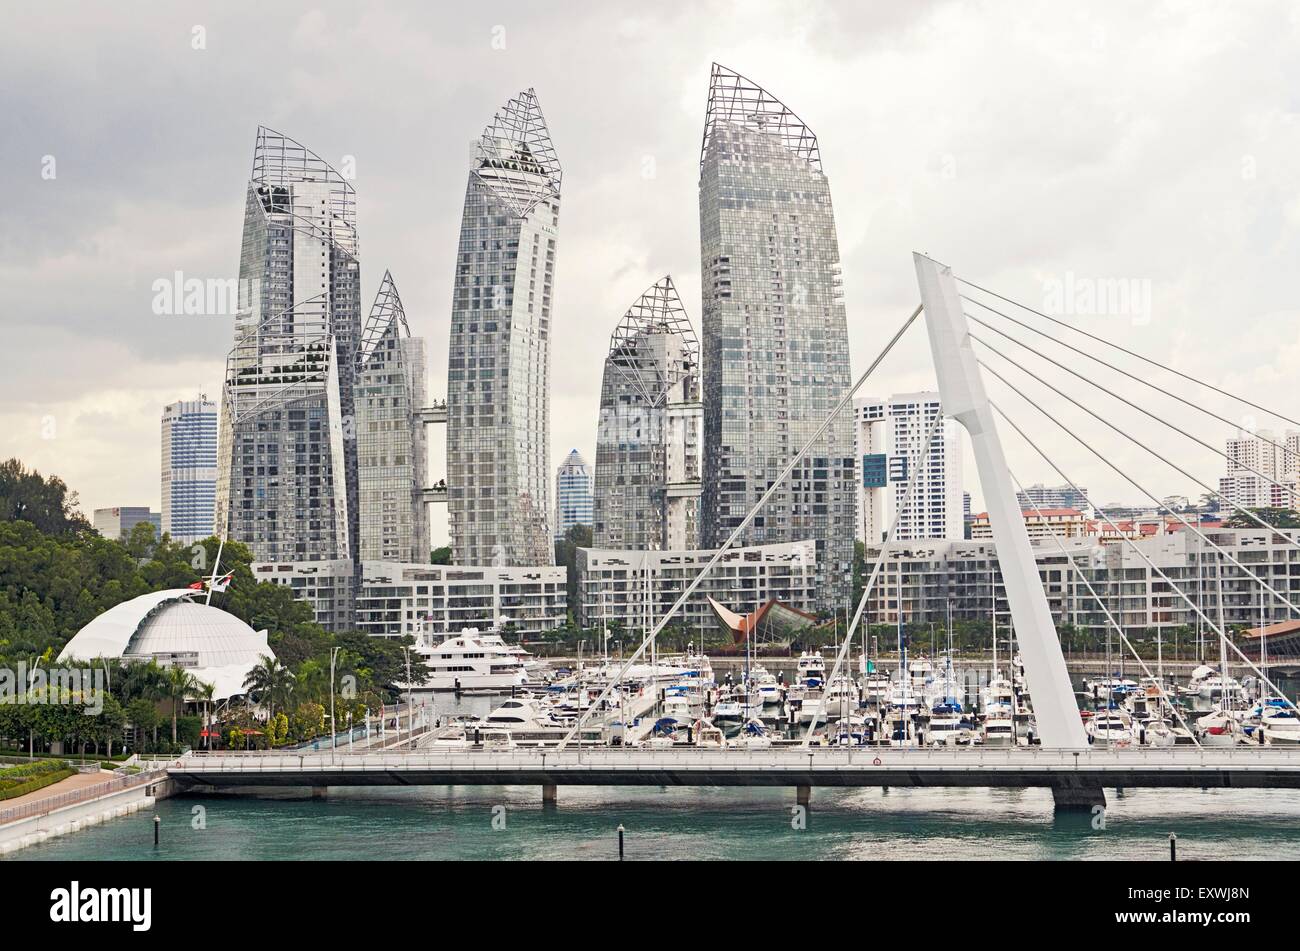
(180, 684)
(269, 683)
(440, 556)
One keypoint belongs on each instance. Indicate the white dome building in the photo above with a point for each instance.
(176, 631)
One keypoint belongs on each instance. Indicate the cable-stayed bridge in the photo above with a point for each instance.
(1008, 338)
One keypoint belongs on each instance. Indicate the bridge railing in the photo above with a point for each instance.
(825, 758)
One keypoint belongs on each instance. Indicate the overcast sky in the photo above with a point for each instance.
(1032, 147)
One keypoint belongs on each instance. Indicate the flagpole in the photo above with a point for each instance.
(221, 543)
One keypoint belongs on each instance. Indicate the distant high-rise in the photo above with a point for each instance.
(648, 443)
(776, 346)
(572, 494)
(891, 440)
(392, 450)
(189, 469)
(1262, 471)
(498, 367)
(117, 522)
(1054, 497)
(287, 463)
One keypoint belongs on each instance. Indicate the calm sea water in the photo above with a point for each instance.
(676, 823)
(457, 823)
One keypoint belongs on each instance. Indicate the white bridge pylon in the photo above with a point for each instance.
(962, 395)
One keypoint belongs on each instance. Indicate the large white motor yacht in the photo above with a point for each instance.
(470, 660)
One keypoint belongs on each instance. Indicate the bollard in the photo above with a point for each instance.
(620, 841)
(1173, 847)
(157, 824)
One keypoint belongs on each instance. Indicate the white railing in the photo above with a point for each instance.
(786, 759)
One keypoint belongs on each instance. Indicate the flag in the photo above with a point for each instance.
(221, 584)
(197, 586)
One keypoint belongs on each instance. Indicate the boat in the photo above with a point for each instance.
(523, 713)
(876, 689)
(841, 698)
(811, 669)
(769, 688)
(704, 733)
(753, 736)
(469, 661)
(946, 727)
(998, 729)
(1281, 726)
(1110, 729)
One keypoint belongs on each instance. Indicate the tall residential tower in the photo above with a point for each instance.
(286, 468)
(776, 346)
(498, 368)
(648, 443)
(392, 449)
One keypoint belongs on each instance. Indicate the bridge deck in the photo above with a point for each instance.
(1237, 767)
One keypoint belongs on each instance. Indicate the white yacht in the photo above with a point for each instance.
(811, 671)
(876, 688)
(470, 660)
(841, 698)
(522, 713)
(1110, 729)
(1281, 725)
(769, 688)
(945, 727)
(998, 730)
(921, 670)
(753, 736)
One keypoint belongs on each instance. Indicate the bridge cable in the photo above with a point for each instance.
(1121, 472)
(1141, 554)
(1131, 353)
(1132, 376)
(717, 556)
(1109, 617)
(917, 468)
(1140, 409)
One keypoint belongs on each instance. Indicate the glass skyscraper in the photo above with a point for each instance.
(572, 494)
(775, 337)
(648, 443)
(287, 462)
(392, 450)
(498, 377)
(189, 469)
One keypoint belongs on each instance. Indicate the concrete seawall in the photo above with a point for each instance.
(32, 830)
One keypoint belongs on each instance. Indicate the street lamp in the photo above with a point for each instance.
(334, 732)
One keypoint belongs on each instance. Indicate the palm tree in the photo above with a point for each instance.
(271, 681)
(180, 683)
(204, 691)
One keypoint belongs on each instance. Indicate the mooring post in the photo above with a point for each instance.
(1173, 847)
(620, 841)
(157, 825)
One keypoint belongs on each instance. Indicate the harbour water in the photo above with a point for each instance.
(505, 823)
(716, 823)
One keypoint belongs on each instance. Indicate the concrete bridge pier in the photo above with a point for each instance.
(1070, 795)
(319, 792)
(549, 795)
(803, 795)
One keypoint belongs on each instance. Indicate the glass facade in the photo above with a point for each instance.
(189, 469)
(648, 442)
(498, 368)
(392, 450)
(287, 463)
(775, 335)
